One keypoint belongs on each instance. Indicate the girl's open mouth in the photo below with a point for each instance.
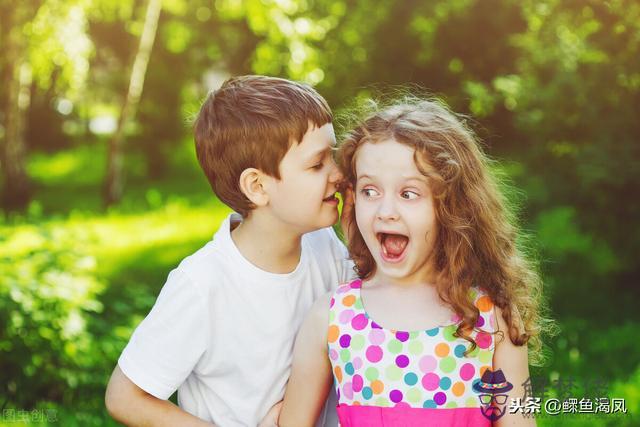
(393, 246)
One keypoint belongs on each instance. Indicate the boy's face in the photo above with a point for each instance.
(304, 197)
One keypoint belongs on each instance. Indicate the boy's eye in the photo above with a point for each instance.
(369, 192)
(409, 195)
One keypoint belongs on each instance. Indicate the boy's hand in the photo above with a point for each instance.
(346, 191)
(271, 419)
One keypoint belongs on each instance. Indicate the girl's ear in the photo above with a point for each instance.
(252, 186)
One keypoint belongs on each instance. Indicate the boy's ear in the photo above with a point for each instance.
(252, 186)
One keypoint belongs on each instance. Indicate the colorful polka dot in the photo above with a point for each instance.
(449, 332)
(402, 336)
(371, 373)
(332, 333)
(393, 372)
(358, 342)
(459, 351)
(367, 393)
(458, 389)
(413, 395)
(467, 371)
(349, 300)
(430, 381)
(374, 354)
(346, 316)
(416, 347)
(345, 340)
(448, 364)
(359, 322)
(376, 336)
(428, 364)
(429, 404)
(445, 383)
(433, 332)
(484, 303)
(442, 349)
(347, 389)
(357, 363)
(411, 378)
(348, 368)
(394, 346)
(382, 401)
(357, 383)
(394, 368)
(483, 340)
(485, 356)
(395, 396)
(402, 361)
(377, 386)
(337, 372)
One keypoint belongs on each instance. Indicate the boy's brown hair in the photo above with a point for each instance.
(251, 122)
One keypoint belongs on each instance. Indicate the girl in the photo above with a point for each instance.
(435, 330)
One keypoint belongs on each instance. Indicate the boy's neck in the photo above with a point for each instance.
(267, 244)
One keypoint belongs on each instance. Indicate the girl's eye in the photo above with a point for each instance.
(369, 192)
(409, 195)
(318, 166)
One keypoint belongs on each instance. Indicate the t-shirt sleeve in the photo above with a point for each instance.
(167, 345)
(342, 258)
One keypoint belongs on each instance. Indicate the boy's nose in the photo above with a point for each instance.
(335, 175)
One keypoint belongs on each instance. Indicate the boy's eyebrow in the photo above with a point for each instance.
(320, 153)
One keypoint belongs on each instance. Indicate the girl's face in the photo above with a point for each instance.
(394, 211)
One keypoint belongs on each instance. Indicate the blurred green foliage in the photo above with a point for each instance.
(552, 87)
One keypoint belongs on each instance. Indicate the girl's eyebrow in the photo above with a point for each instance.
(421, 179)
(416, 178)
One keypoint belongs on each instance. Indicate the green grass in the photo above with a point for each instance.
(130, 248)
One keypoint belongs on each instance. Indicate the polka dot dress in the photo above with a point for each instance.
(384, 368)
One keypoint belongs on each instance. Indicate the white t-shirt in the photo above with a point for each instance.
(222, 330)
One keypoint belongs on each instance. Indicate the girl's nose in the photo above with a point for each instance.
(387, 209)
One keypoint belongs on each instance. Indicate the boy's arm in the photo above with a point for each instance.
(311, 376)
(132, 406)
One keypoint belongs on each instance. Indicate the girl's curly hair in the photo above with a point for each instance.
(477, 240)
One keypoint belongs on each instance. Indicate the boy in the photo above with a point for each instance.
(222, 329)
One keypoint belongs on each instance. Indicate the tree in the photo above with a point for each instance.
(114, 184)
(14, 102)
